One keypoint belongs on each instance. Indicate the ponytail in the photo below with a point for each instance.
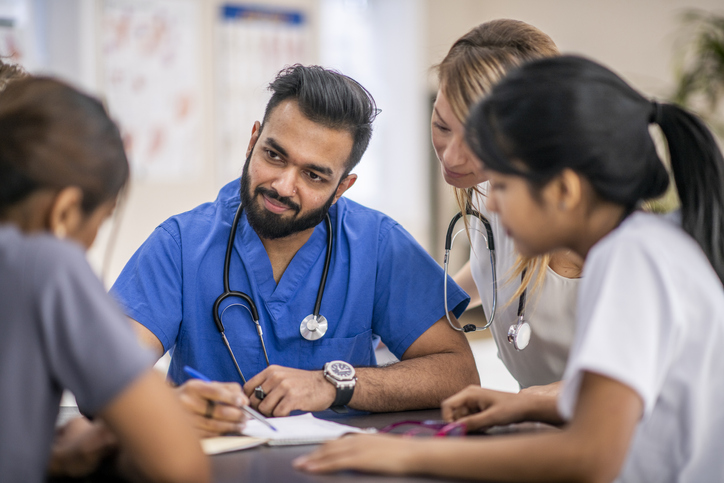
(571, 113)
(698, 169)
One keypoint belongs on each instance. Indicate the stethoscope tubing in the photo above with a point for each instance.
(325, 271)
(490, 242)
(519, 342)
(250, 305)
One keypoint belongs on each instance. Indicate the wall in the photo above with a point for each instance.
(149, 202)
(634, 38)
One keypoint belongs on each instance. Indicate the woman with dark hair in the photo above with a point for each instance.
(568, 152)
(62, 166)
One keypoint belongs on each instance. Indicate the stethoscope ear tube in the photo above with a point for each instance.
(489, 240)
(228, 293)
(315, 324)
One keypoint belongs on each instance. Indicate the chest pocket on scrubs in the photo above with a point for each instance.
(356, 350)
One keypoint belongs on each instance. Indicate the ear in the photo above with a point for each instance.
(569, 190)
(255, 131)
(66, 212)
(344, 185)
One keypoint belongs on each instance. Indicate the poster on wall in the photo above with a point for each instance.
(252, 44)
(151, 79)
(13, 42)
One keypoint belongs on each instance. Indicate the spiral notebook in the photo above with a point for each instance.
(298, 430)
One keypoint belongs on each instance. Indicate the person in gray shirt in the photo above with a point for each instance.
(62, 166)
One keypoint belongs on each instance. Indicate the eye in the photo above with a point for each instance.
(314, 177)
(272, 155)
(440, 127)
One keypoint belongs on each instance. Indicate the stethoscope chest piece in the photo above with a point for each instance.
(313, 327)
(519, 334)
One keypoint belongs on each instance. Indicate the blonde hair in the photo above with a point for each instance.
(475, 63)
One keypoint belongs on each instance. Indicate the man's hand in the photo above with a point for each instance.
(214, 406)
(481, 408)
(289, 389)
(79, 447)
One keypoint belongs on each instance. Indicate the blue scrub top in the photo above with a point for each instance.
(380, 282)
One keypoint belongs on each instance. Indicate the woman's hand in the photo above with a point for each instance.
(379, 453)
(481, 408)
(79, 448)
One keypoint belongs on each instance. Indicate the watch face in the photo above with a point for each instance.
(341, 370)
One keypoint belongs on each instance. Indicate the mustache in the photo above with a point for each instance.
(273, 194)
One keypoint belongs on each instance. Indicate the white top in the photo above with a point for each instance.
(651, 316)
(550, 310)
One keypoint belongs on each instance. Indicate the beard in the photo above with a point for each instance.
(270, 225)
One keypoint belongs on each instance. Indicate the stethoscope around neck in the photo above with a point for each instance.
(518, 333)
(313, 327)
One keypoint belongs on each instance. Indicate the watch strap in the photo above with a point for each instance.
(344, 395)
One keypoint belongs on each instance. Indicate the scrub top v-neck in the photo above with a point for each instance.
(381, 282)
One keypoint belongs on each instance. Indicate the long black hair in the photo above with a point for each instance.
(570, 112)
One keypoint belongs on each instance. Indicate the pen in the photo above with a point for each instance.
(247, 409)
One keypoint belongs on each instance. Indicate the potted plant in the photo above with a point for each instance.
(699, 67)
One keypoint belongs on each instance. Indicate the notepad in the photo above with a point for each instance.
(298, 430)
(226, 444)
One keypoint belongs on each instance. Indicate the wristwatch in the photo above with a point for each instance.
(341, 375)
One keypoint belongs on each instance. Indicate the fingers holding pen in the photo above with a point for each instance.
(215, 406)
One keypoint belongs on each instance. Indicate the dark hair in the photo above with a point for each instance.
(9, 73)
(52, 137)
(569, 112)
(328, 98)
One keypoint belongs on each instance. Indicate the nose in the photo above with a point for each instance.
(457, 153)
(285, 183)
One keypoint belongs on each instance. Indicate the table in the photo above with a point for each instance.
(274, 464)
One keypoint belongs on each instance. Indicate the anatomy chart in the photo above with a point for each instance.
(253, 44)
(152, 82)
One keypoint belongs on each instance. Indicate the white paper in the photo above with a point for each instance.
(302, 429)
(226, 444)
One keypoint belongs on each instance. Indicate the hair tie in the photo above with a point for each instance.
(656, 113)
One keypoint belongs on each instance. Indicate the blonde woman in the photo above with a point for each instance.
(476, 62)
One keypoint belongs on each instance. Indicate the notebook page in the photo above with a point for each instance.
(302, 429)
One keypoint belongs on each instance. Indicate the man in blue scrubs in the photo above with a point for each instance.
(381, 282)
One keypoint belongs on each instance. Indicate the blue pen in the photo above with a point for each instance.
(248, 410)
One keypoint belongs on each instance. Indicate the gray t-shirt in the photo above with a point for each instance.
(59, 329)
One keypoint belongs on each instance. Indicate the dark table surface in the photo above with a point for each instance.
(274, 464)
